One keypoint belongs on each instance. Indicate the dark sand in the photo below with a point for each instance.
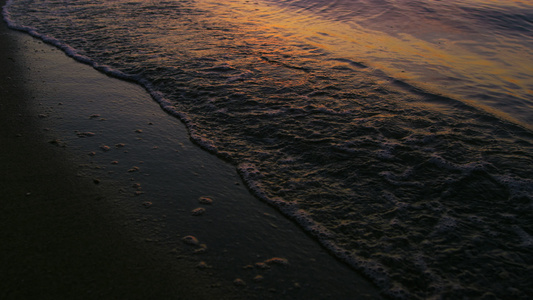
(78, 221)
(60, 236)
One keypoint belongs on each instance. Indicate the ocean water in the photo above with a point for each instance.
(398, 133)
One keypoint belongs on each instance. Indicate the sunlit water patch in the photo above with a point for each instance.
(477, 51)
(428, 195)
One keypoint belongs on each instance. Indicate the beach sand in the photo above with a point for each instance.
(101, 191)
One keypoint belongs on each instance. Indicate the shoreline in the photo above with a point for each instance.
(110, 181)
(62, 236)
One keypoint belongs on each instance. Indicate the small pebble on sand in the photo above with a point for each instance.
(202, 265)
(190, 240)
(261, 265)
(202, 249)
(138, 130)
(198, 211)
(258, 278)
(120, 145)
(92, 153)
(277, 261)
(115, 162)
(133, 169)
(147, 204)
(205, 200)
(105, 148)
(239, 282)
(85, 134)
(94, 116)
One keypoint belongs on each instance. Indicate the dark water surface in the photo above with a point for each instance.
(398, 133)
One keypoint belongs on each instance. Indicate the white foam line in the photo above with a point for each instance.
(164, 103)
(370, 268)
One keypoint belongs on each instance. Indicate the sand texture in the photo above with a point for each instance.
(103, 195)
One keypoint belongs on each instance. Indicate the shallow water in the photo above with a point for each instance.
(396, 132)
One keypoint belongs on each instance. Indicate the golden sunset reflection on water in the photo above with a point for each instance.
(425, 52)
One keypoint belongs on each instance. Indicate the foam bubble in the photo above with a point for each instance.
(527, 239)
(446, 224)
(518, 187)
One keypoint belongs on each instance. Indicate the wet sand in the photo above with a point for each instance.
(62, 236)
(100, 193)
